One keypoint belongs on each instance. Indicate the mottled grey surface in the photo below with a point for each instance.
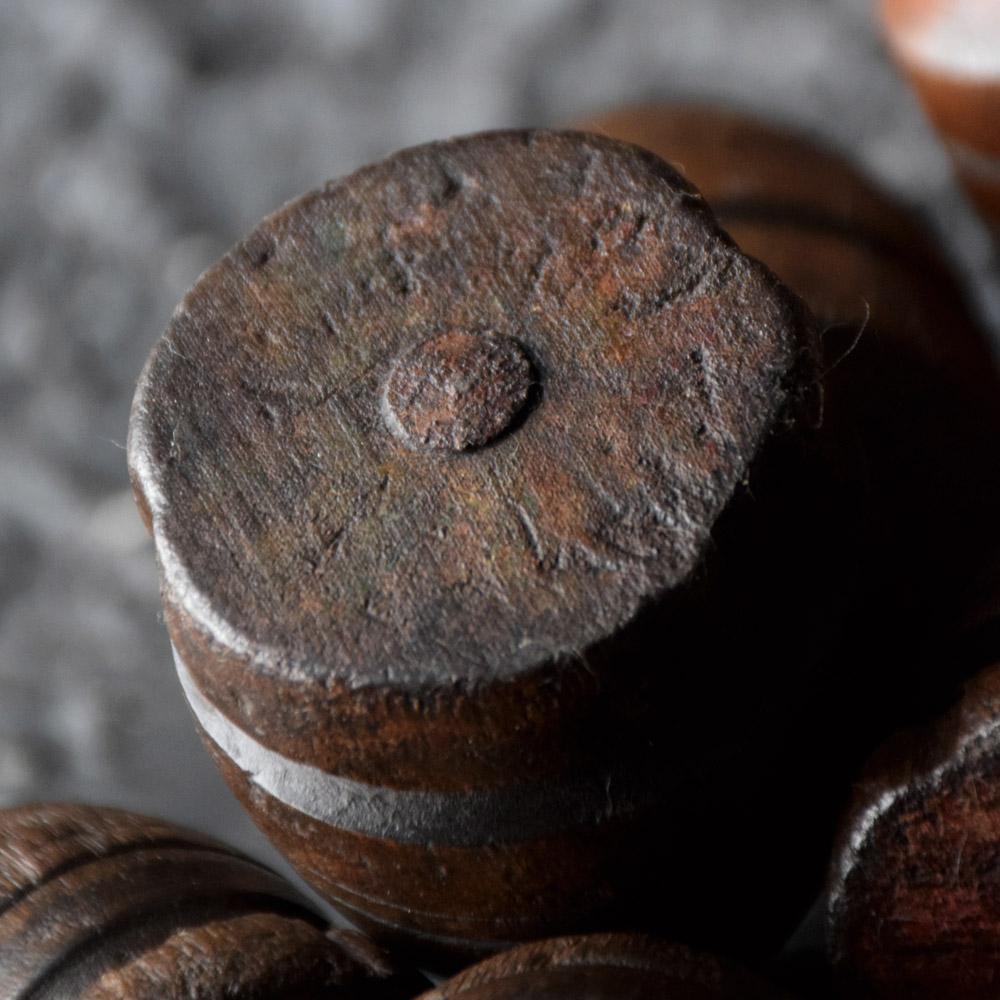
(139, 138)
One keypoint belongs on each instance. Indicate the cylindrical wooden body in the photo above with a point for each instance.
(99, 904)
(911, 399)
(483, 495)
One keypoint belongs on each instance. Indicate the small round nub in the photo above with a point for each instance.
(457, 391)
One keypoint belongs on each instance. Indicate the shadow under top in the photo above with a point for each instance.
(459, 414)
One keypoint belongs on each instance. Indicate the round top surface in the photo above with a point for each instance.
(459, 414)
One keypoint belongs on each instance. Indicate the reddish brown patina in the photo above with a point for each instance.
(911, 395)
(99, 904)
(915, 899)
(950, 51)
(604, 967)
(437, 462)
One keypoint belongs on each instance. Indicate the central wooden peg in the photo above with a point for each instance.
(456, 391)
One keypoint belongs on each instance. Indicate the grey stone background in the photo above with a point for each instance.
(139, 138)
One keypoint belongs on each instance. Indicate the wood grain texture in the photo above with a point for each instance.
(99, 904)
(599, 966)
(436, 462)
(910, 421)
(911, 395)
(914, 907)
(293, 529)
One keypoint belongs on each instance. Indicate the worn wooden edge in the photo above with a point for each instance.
(911, 763)
(828, 195)
(220, 660)
(819, 182)
(96, 900)
(663, 965)
(960, 93)
(220, 640)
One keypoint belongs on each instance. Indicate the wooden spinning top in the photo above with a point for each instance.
(599, 966)
(911, 395)
(430, 460)
(99, 904)
(911, 416)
